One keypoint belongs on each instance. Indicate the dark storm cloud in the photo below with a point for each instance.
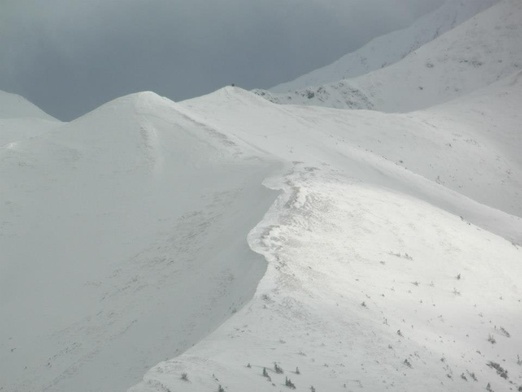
(70, 56)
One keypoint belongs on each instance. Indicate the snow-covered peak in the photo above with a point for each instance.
(392, 47)
(476, 53)
(15, 106)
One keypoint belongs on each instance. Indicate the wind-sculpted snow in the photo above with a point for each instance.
(123, 243)
(228, 243)
(480, 51)
(124, 240)
(366, 289)
(384, 270)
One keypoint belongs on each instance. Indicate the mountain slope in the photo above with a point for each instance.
(20, 119)
(374, 282)
(15, 106)
(107, 224)
(358, 250)
(476, 53)
(370, 267)
(392, 47)
(366, 143)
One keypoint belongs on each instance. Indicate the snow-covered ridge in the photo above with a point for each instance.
(392, 47)
(374, 281)
(194, 246)
(124, 241)
(476, 53)
(156, 207)
(15, 106)
(20, 119)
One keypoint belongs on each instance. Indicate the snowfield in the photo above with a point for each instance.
(476, 53)
(390, 48)
(228, 243)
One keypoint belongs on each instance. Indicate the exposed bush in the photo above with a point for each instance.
(500, 370)
(289, 383)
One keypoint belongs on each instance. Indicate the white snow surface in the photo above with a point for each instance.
(123, 242)
(476, 53)
(154, 246)
(15, 106)
(380, 275)
(392, 47)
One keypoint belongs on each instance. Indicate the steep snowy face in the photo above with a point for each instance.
(123, 243)
(476, 53)
(392, 47)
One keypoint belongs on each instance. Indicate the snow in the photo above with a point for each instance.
(20, 119)
(478, 52)
(104, 223)
(15, 106)
(360, 247)
(150, 241)
(392, 47)
(334, 308)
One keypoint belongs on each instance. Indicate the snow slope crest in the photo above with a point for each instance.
(480, 51)
(15, 106)
(392, 47)
(146, 204)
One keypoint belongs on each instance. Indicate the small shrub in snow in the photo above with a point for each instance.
(312, 389)
(491, 339)
(184, 377)
(297, 371)
(500, 370)
(277, 368)
(399, 333)
(472, 375)
(221, 389)
(265, 373)
(504, 332)
(519, 361)
(407, 363)
(289, 383)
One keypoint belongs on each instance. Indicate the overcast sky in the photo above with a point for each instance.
(70, 56)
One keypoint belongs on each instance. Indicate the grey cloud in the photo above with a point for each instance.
(70, 56)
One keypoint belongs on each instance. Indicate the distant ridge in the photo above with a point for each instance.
(392, 47)
(474, 54)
